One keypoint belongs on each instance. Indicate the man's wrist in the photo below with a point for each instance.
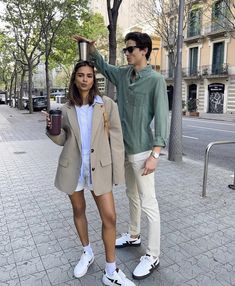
(155, 155)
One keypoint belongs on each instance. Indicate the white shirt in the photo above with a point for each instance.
(84, 116)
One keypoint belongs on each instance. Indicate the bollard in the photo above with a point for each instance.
(232, 186)
(206, 161)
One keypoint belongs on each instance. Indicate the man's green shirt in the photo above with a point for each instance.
(139, 101)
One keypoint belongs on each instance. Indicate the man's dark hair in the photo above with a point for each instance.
(74, 95)
(142, 41)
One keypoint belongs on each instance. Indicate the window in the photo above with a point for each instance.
(193, 58)
(218, 58)
(220, 15)
(194, 24)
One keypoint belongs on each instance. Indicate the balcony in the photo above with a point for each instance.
(194, 34)
(210, 71)
(214, 71)
(189, 73)
(218, 28)
(168, 74)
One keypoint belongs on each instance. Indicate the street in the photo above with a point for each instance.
(39, 244)
(198, 133)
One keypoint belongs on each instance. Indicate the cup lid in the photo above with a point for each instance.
(55, 111)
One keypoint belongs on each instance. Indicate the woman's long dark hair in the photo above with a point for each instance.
(74, 95)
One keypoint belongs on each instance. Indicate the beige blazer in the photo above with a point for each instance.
(107, 154)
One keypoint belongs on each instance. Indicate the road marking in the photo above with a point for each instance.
(190, 137)
(211, 121)
(215, 129)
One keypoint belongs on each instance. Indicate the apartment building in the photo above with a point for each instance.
(208, 58)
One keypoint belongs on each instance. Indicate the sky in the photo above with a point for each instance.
(1, 12)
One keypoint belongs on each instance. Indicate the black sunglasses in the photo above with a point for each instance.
(129, 49)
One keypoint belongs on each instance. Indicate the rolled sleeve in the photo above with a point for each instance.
(161, 114)
(111, 72)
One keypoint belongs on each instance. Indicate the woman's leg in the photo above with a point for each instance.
(79, 207)
(105, 204)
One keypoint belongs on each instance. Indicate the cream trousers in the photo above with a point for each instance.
(141, 193)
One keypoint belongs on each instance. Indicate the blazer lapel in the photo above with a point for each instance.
(97, 119)
(72, 116)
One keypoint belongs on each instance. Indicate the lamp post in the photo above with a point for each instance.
(155, 50)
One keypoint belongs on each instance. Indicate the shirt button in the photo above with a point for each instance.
(93, 169)
(92, 150)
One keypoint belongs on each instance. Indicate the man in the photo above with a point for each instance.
(141, 96)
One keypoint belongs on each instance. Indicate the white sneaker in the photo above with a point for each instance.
(145, 267)
(117, 278)
(85, 261)
(126, 240)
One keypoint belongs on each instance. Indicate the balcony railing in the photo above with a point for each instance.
(191, 72)
(200, 72)
(168, 73)
(193, 32)
(214, 70)
(218, 27)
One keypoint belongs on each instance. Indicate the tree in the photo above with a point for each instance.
(175, 142)
(112, 28)
(65, 51)
(7, 64)
(222, 15)
(22, 21)
(52, 15)
(162, 17)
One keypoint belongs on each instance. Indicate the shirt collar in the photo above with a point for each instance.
(143, 72)
(98, 99)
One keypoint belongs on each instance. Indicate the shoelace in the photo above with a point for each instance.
(146, 257)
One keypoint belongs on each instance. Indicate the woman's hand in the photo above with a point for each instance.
(48, 119)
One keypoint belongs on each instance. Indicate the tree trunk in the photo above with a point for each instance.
(175, 142)
(21, 90)
(30, 88)
(10, 91)
(47, 85)
(112, 57)
(47, 74)
(112, 27)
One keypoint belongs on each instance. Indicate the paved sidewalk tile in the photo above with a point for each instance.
(38, 241)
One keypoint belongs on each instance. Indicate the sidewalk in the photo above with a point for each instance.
(38, 240)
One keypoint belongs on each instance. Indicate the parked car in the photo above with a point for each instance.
(2, 97)
(39, 103)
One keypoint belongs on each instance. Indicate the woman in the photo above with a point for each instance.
(92, 158)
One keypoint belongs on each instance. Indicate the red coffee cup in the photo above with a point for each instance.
(55, 117)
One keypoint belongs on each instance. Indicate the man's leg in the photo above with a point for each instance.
(134, 200)
(149, 205)
(132, 238)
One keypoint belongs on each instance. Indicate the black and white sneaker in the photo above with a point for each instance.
(126, 240)
(117, 278)
(147, 264)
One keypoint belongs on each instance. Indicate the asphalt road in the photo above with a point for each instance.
(198, 133)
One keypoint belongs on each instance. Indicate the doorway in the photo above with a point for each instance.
(170, 90)
(216, 98)
(192, 97)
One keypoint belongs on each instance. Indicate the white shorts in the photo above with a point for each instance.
(84, 181)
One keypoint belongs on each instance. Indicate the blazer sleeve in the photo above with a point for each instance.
(116, 145)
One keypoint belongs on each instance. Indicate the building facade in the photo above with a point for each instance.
(208, 59)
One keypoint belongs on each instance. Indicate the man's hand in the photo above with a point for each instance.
(78, 38)
(150, 166)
